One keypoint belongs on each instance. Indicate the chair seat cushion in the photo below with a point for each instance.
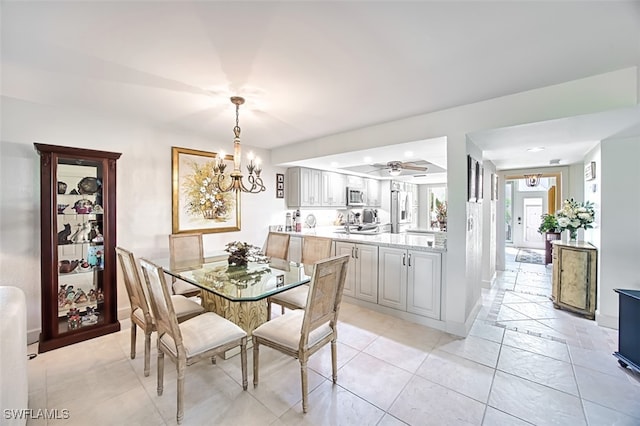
(204, 332)
(185, 307)
(295, 297)
(286, 330)
(182, 287)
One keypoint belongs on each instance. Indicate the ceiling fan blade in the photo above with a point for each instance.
(410, 166)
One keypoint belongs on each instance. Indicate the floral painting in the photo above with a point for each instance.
(198, 205)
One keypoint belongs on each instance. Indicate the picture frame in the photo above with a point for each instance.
(471, 179)
(196, 206)
(279, 185)
(495, 191)
(590, 171)
(479, 182)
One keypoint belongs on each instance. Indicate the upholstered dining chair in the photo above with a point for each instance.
(313, 249)
(277, 245)
(141, 315)
(185, 251)
(200, 337)
(301, 333)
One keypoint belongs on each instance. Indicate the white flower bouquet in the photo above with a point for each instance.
(575, 215)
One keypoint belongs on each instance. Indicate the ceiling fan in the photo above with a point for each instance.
(395, 168)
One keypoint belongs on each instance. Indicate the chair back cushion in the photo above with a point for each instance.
(135, 290)
(325, 295)
(277, 245)
(185, 251)
(313, 250)
(161, 304)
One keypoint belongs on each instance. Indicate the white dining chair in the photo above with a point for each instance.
(313, 249)
(200, 337)
(301, 333)
(141, 314)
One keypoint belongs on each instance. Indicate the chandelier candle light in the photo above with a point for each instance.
(255, 181)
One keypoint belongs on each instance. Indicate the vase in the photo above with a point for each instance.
(573, 235)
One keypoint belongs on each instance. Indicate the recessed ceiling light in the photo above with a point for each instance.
(367, 159)
(536, 149)
(408, 154)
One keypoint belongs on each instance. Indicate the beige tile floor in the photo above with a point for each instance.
(522, 363)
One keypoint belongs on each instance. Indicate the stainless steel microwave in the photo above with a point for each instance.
(355, 197)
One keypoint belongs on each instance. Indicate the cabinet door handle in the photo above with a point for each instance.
(356, 252)
(404, 263)
(353, 250)
(409, 259)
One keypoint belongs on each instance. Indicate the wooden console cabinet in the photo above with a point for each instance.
(574, 277)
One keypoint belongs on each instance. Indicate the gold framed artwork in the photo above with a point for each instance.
(196, 204)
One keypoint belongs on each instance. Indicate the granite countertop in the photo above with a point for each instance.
(383, 239)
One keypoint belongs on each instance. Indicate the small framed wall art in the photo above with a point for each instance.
(279, 185)
(471, 179)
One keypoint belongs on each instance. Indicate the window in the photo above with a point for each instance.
(437, 196)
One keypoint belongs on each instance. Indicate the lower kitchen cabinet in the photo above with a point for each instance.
(362, 276)
(410, 280)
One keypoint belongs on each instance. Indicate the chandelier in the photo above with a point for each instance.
(532, 180)
(233, 180)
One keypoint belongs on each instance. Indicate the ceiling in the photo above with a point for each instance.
(311, 69)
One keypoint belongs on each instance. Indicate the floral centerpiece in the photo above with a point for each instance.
(203, 197)
(575, 215)
(441, 214)
(242, 253)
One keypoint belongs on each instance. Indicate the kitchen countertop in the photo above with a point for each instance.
(384, 239)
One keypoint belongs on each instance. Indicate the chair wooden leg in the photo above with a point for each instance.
(282, 309)
(303, 374)
(147, 352)
(181, 365)
(256, 355)
(334, 361)
(213, 360)
(133, 339)
(268, 309)
(160, 371)
(243, 362)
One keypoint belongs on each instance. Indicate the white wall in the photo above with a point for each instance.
(489, 241)
(143, 190)
(620, 226)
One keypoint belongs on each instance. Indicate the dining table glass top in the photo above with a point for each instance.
(255, 281)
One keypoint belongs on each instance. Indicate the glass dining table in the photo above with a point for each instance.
(239, 293)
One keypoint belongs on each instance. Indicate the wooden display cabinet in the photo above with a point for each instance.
(574, 277)
(78, 239)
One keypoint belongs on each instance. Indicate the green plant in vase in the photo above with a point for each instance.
(549, 224)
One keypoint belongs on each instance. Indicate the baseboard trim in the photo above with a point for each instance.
(488, 284)
(607, 321)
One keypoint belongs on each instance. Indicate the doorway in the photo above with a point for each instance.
(532, 212)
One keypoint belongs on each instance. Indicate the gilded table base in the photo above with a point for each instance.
(247, 315)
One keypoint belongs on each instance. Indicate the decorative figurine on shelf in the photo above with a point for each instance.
(73, 318)
(91, 316)
(82, 234)
(62, 296)
(83, 206)
(99, 296)
(67, 266)
(89, 185)
(63, 236)
(62, 187)
(80, 297)
(92, 295)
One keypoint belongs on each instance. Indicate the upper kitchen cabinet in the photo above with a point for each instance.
(304, 187)
(355, 181)
(373, 192)
(333, 189)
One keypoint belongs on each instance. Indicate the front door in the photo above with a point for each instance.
(532, 212)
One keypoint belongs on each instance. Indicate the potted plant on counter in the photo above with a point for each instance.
(551, 231)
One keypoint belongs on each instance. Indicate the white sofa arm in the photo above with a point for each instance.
(14, 382)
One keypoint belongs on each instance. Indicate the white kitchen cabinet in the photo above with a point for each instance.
(373, 192)
(410, 280)
(424, 283)
(303, 187)
(333, 189)
(392, 278)
(355, 181)
(362, 276)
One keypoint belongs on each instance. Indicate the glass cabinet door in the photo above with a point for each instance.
(79, 227)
